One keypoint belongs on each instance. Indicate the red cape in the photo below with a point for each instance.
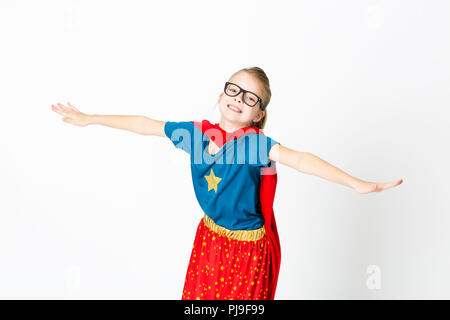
(267, 194)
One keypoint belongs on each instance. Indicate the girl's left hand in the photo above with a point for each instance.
(367, 187)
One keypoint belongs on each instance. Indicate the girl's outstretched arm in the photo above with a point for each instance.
(310, 164)
(138, 124)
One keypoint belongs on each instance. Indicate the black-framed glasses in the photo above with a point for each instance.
(249, 97)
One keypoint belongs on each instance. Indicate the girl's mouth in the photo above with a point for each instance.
(233, 108)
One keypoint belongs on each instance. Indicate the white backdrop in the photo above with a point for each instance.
(101, 213)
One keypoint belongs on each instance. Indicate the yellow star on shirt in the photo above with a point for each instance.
(213, 181)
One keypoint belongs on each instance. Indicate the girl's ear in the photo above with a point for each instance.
(260, 116)
(220, 97)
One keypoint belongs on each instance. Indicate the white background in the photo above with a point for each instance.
(101, 213)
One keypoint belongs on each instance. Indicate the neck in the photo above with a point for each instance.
(230, 126)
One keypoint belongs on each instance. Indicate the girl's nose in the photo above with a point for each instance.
(239, 97)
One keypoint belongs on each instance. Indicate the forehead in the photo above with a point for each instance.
(246, 82)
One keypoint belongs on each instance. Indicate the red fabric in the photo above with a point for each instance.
(220, 136)
(267, 195)
(223, 268)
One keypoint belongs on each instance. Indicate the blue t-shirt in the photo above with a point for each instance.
(226, 184)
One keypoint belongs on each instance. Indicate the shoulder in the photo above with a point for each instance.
(171, 127)
(262, 139)
(261, 146)
(269, 144)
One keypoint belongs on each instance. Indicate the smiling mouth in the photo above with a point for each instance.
(233, 108)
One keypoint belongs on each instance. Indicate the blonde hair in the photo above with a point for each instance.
(260, 76)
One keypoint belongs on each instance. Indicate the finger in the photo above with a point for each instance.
(390, 185)
(61, 109)
(396, 183)
(62, 106)
(56, 109)
(70, 105)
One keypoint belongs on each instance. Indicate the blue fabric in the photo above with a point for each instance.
(233, 202)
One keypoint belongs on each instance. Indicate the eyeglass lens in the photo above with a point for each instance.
(249, 98)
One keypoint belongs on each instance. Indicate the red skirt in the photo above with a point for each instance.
(223, 266)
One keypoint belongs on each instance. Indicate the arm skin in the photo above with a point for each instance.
(138, 124)
(301, 161)
(310, 164)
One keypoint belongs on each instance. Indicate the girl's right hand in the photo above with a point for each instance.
(71, 114)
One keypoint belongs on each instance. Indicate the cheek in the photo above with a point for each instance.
(249, 112)
(222, 107)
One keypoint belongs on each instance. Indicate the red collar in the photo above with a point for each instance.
(205, 126)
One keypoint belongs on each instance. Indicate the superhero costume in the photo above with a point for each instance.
(236, 252)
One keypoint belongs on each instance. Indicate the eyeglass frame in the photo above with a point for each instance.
(244, 92)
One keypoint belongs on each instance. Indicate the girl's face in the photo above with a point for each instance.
(245, 114)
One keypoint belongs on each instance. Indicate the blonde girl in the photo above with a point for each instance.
(236, 252)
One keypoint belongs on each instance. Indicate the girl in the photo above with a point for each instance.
(236, 251)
